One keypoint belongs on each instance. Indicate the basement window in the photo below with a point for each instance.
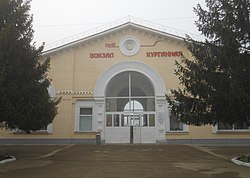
(233, 127)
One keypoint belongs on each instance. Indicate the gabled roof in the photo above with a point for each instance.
(112, 27)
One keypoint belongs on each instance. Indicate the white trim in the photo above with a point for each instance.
(50, 128)
(240, 163)
(214, 128)
(11, 159)
(159, 90)
(185, 128)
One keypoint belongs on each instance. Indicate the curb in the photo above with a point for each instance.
(8, 160)
(240, 163)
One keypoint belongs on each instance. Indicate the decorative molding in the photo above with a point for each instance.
(148, 71)
(100, 105)
(161, 130)
(99, 129)
(129, 45)
(161, 118)
(100, 121)
(70, 92)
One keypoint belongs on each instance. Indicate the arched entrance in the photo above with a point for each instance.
(130, 104)
(130, 109)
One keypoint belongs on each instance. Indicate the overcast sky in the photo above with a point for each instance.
(58, 19)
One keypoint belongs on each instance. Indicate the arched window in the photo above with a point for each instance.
(130, 99)
(129, 86)
(134, 105)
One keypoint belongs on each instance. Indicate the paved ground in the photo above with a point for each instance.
(123, 161)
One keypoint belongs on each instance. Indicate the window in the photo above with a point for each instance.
(134, 105)
(109, 120)
(233, 127)
(144, 120)
(124, 120)
(222, 126)
(85, 119)
(116, 120)
(151, 120)
(175, 124)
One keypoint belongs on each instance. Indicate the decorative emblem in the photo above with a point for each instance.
(129, 45)
(161, 118)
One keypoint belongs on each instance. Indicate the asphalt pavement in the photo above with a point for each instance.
(123, 161)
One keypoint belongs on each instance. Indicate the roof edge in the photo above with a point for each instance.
(113, 26)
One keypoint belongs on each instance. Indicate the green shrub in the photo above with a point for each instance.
(244, 158)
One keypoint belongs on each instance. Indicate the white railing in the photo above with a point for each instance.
(146, 23)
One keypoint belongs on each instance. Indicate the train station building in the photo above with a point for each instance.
(113, 82)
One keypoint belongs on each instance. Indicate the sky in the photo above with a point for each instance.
(55, 20)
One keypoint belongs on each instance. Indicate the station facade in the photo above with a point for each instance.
(114, 83)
